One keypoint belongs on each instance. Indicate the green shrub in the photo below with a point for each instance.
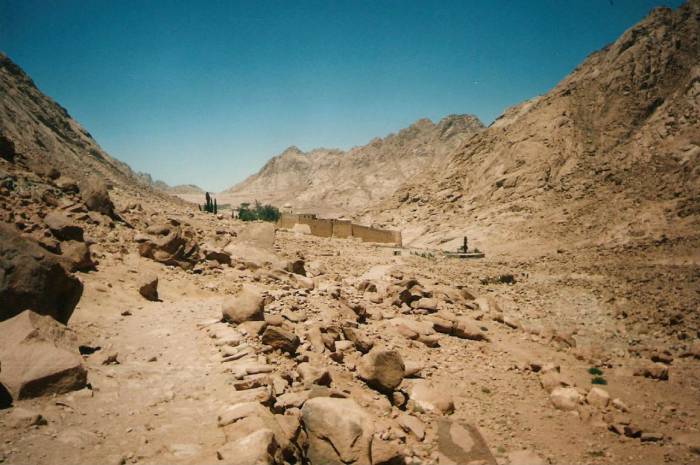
(258, 212)
(595, 371)
(599, 380)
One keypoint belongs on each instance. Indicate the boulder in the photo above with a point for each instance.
(33, 278)
(382, 369)
(425, 303)
(565, 398)
(7, 148)
(411, 424)
(171, 245)
(360, 340)
(39, 356)
(78, 255)
(257, 448)
(67, 184)
(94, 193)
(424, 397)
(339, 431)
(466, 328)
(253, 257)
(280, 338)
(148, 286)
(5, 397)
(247, 305)
(388, 452)
(598, 397)
(240, 420)
(311, 374)
(63, 227)
(653, 370)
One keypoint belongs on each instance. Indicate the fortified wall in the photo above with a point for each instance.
(339, 228)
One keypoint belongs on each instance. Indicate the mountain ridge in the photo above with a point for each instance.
(338, 181)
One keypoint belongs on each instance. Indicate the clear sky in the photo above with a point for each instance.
(206, 92)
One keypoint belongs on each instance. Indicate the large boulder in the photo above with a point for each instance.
(247, 305)
(338, 430)
(39, 356)
(382, 369)
(33, 278)
(63, 227)
(94, 192)
(170, 244)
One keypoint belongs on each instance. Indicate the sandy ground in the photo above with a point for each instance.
(160, 403)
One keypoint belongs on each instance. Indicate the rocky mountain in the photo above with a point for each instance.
(608, 156)
(331, 181)
(43, 136)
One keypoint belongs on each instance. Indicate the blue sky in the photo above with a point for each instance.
(206, 92)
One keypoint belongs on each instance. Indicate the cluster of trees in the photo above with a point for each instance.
(258, 212)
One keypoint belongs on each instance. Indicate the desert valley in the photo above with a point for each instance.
(136, 328)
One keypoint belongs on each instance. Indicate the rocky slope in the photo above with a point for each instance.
(608, 156)
(330, 181)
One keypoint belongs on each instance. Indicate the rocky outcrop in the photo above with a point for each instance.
(33, 278)
(39, 357)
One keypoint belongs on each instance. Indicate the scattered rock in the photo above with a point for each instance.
(172, 245)
(424, 397)
(21, 418)
(382, 369)
(246, 306)
(598, 397)
(34, 278)
(338, 430)
(259, 448)
(78, 255)
(653, 370)
(39, 357)
(94, 193)
(310, 374)
(63, 227)
(281, 338)
(411, 424)
(148, 287)
(565, 398)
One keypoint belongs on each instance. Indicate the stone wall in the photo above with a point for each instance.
(342, 228)
(339, 228)
(368, 234)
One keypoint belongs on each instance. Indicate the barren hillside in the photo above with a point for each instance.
(609, 156)
(330, 181)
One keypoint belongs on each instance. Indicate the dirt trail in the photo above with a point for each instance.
(158, 404)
